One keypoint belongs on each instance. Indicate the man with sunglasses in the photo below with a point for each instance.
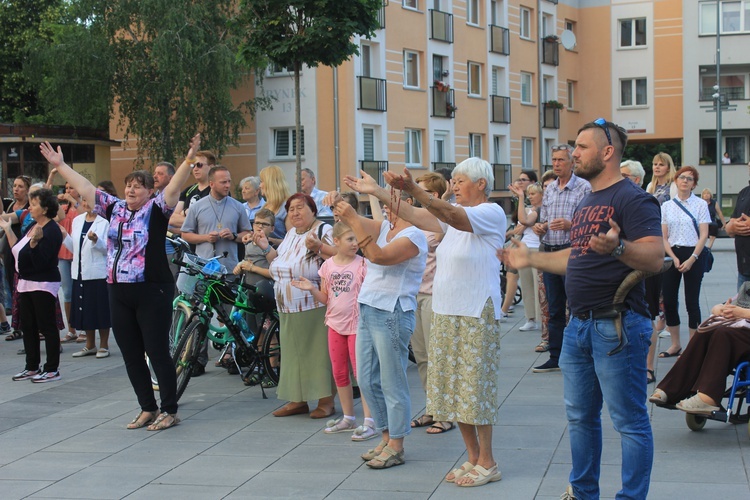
(204, 160)
(560, 200)
(615, 230)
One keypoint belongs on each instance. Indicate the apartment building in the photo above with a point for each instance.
(505, 80)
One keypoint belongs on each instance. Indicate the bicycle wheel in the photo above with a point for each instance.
(271, 351)
(518, 297)
(187, 352)
(180, 317)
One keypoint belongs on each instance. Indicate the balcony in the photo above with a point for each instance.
(728, 93)
(372, 94)
(441, 26)
(503, 173)
(436, 165)
(552, 1)
(551, 115)
(443, 102)
(550, 50)
(375, 169)
(499, 40)
(500, 109)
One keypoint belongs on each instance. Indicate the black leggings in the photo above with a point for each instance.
(671, 288)
(141, 315)
(37, 315)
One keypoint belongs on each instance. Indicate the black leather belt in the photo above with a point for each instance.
(554, 248)
(606, 312)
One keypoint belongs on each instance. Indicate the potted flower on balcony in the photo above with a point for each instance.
(551, 38)
(450, 108)
(442, 86)
(554, 104)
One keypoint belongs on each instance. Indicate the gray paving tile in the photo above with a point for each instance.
(416, 476)
(98, 482)
(18, 489)
(49, 466)
(181, 491)
(200, 470)
(285, 485)
(161, 455)
(104, 440)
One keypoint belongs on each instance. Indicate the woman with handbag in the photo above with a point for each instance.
(684, 221)
(721, 342)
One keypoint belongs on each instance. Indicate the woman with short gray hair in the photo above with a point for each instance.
(250, 187)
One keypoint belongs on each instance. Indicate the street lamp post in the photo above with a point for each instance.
(718, 103)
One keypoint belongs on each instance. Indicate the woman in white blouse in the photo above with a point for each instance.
(684, 221)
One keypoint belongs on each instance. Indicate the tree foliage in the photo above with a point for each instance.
(166, 68)
(309, 32)
(645, 152)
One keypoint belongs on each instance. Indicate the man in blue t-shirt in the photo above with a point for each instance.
(615, 229)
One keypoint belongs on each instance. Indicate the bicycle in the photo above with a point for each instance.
(252, 352)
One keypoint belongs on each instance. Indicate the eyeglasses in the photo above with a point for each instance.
(684, 177)
(261, 224)
(560, 147)
(523, 179)
(626, 176)
(198, 164)
(602, 123)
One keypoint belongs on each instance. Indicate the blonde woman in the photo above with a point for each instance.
(662, 184)
(527, 217)
(276, 191)
(717, 217)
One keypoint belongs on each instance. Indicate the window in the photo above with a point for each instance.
(413, 147)
(285, 144)
(494, 12)
(366, 59)
(368, 140)
(632, 33)
(475, 145)
(570, 25)
(731, 86)
(548, 84)
(441, 140)
(548, 25)
(526, 88)
(475, 79)
(633, 92)
(527, 153)
(734, 17)
(437, 67)
(571, 94)
(274, 69)
(524, 30)
(411, 4)
(411, 69)
(472, 14)
(497, 149)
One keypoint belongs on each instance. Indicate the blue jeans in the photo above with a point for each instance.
(557, 302)
(382, 356)
(590, 376)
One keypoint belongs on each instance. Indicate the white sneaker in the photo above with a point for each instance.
(529, 326)
(503, 317)
(664, 334)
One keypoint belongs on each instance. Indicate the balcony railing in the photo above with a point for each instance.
(381, 17)
(499, 40)
(443, 103)
(732, 93)
(551, 116)
(503, 173)
(436, 165)
(550, 51)
(375, 169)
(372, 94)
(441, 26)
(553, 1)
(500, 109)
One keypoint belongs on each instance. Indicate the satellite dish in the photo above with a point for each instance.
(568, 39)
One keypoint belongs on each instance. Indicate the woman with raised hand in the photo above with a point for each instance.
(140, 284)
(465, 337)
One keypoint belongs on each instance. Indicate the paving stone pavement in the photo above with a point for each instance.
(67, 439)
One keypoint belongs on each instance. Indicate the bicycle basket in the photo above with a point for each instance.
(186, 282)
(263, 299)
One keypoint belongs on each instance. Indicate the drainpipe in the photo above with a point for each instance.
(539, 80)
(336, 144)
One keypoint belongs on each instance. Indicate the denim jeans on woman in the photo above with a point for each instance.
(590, 377)
(382, 356)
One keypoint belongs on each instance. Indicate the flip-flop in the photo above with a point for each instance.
(441, 427)
(481, 476)
(650, 377)
(138, 423)
(667, 354)
(164, 421)
(422, 421)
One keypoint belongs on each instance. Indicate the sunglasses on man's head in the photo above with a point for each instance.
(561, 147)
(602, 123)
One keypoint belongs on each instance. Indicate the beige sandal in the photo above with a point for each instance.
(374, 452)
(164, 421)
(140, 421)
(387, 459)
(464, 469)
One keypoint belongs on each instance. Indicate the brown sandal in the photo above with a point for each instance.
(164, 421)
(140, 421)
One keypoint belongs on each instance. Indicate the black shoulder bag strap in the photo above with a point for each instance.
(695, 222)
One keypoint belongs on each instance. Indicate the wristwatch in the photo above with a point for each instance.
(267, 249)
(619, 249)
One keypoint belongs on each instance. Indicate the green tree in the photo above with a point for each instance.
(297, 32)
(167, 68)
(645, 152)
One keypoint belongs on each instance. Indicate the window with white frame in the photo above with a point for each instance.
(475, 79)
(411, 69)
(475, 145)
(472, 14)
(633, 92)
(441, 146)
(571, 94)
(285, 143)
(734, 17)
(632, 33)
(498, 153)
(548, 25)
(368, 143)
(527, 152)
(548, 84)
(413, 147)
(411, 4)
(526, 90)
(275, 69)
(524, 30)
(365, 57)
